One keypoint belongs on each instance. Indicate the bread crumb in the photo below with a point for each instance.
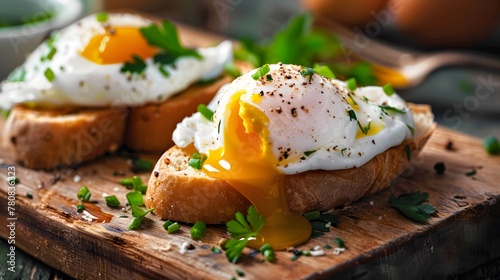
(372, 203)
(116, 189)
(317, 253)
(338, 250)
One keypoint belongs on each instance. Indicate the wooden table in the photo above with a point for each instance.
(381, 243)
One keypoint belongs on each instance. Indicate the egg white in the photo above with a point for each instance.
(319, 122)
(81, 82)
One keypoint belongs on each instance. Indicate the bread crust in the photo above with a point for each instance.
(48, 138)
(163, 118)
(181, 193)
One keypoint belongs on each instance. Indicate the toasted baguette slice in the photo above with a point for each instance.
(181, 193)
(150, 127)
(45, 139)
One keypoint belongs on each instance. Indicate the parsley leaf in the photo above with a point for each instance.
(136, 66)
(241, 231)
(165, 36)
(162, 60)
(410, 205)
(387, 108)
(320, 221)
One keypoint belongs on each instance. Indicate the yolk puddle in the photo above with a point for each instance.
(118, 45)
(374, 129)
(246, 162)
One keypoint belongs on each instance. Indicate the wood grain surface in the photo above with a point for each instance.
(49, 227)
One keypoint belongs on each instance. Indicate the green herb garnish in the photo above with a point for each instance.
(112, 201)
(324, 71)
(134, 183)
(206, 112)
(269, 77)
(241, 230)
(216, 250)
(231, 70)
(386, 108)
(342, 151)
(4, 113)
(411, 205)
(308, 153)
(12, 180)
(167, 224)
(263, 70)
(198, 230)
(49, 74)
(471, 173)
(339, 242)
(173, 227)
(351, 84)
(268, 252)
(352, 115)
(320, 223)
(196, 161)
(80, 207)
(102, 17)
(84, 194)
(139, 165)
(135, 198)
(138, 213)
(388, 89)
(412, 130)
(18, 75)
(491, 145)
(308, 72)
(29, 195)
(136, 66)
(408, 151)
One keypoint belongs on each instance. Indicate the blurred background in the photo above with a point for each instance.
(438, 52)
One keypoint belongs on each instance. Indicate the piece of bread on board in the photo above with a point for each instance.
(49, 138)
(181, 193)
(150, 127)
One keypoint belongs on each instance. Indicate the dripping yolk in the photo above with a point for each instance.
(118, 45)
(247, 163)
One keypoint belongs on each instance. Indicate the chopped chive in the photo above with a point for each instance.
(351, 84)
(412, 130)
(268, 252)
(142, 165)
(261, 72)
(29, 195)
(240, 272)
(308, 153)
(327, 246)
(4, 113)
(173, 227)
(308, 72)
(269, 77)
(49, 74)
(18, 75)
(339, 242)
(198, 230)
(135, 198)
(207, 113)
(135, 183)
(491, 145)
(408, 151)
(82, 193)
(112, 201)
(86, 198)
(218, 127)
(51, 54)
(80, 208)
(232, 70)
(136, 223)
(196, 161)
(386, 108)
(388, 89)
(167, 224)
(471, 173)
(324, 71)
(294, 257)
(352, 115)
(216, 250)
(102, 17)
(342, 151)
(306, 253)
(312, 215)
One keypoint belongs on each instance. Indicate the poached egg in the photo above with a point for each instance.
(287, 122)
(81, 66)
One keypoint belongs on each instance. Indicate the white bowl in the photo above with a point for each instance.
(16, 42)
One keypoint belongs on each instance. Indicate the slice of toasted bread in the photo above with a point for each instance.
(47, 138)
(181, 193)
(150, 127)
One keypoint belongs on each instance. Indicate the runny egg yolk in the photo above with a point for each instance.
(247, 163)
(118, 45)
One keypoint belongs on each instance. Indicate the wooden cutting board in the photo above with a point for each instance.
(379, 240)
